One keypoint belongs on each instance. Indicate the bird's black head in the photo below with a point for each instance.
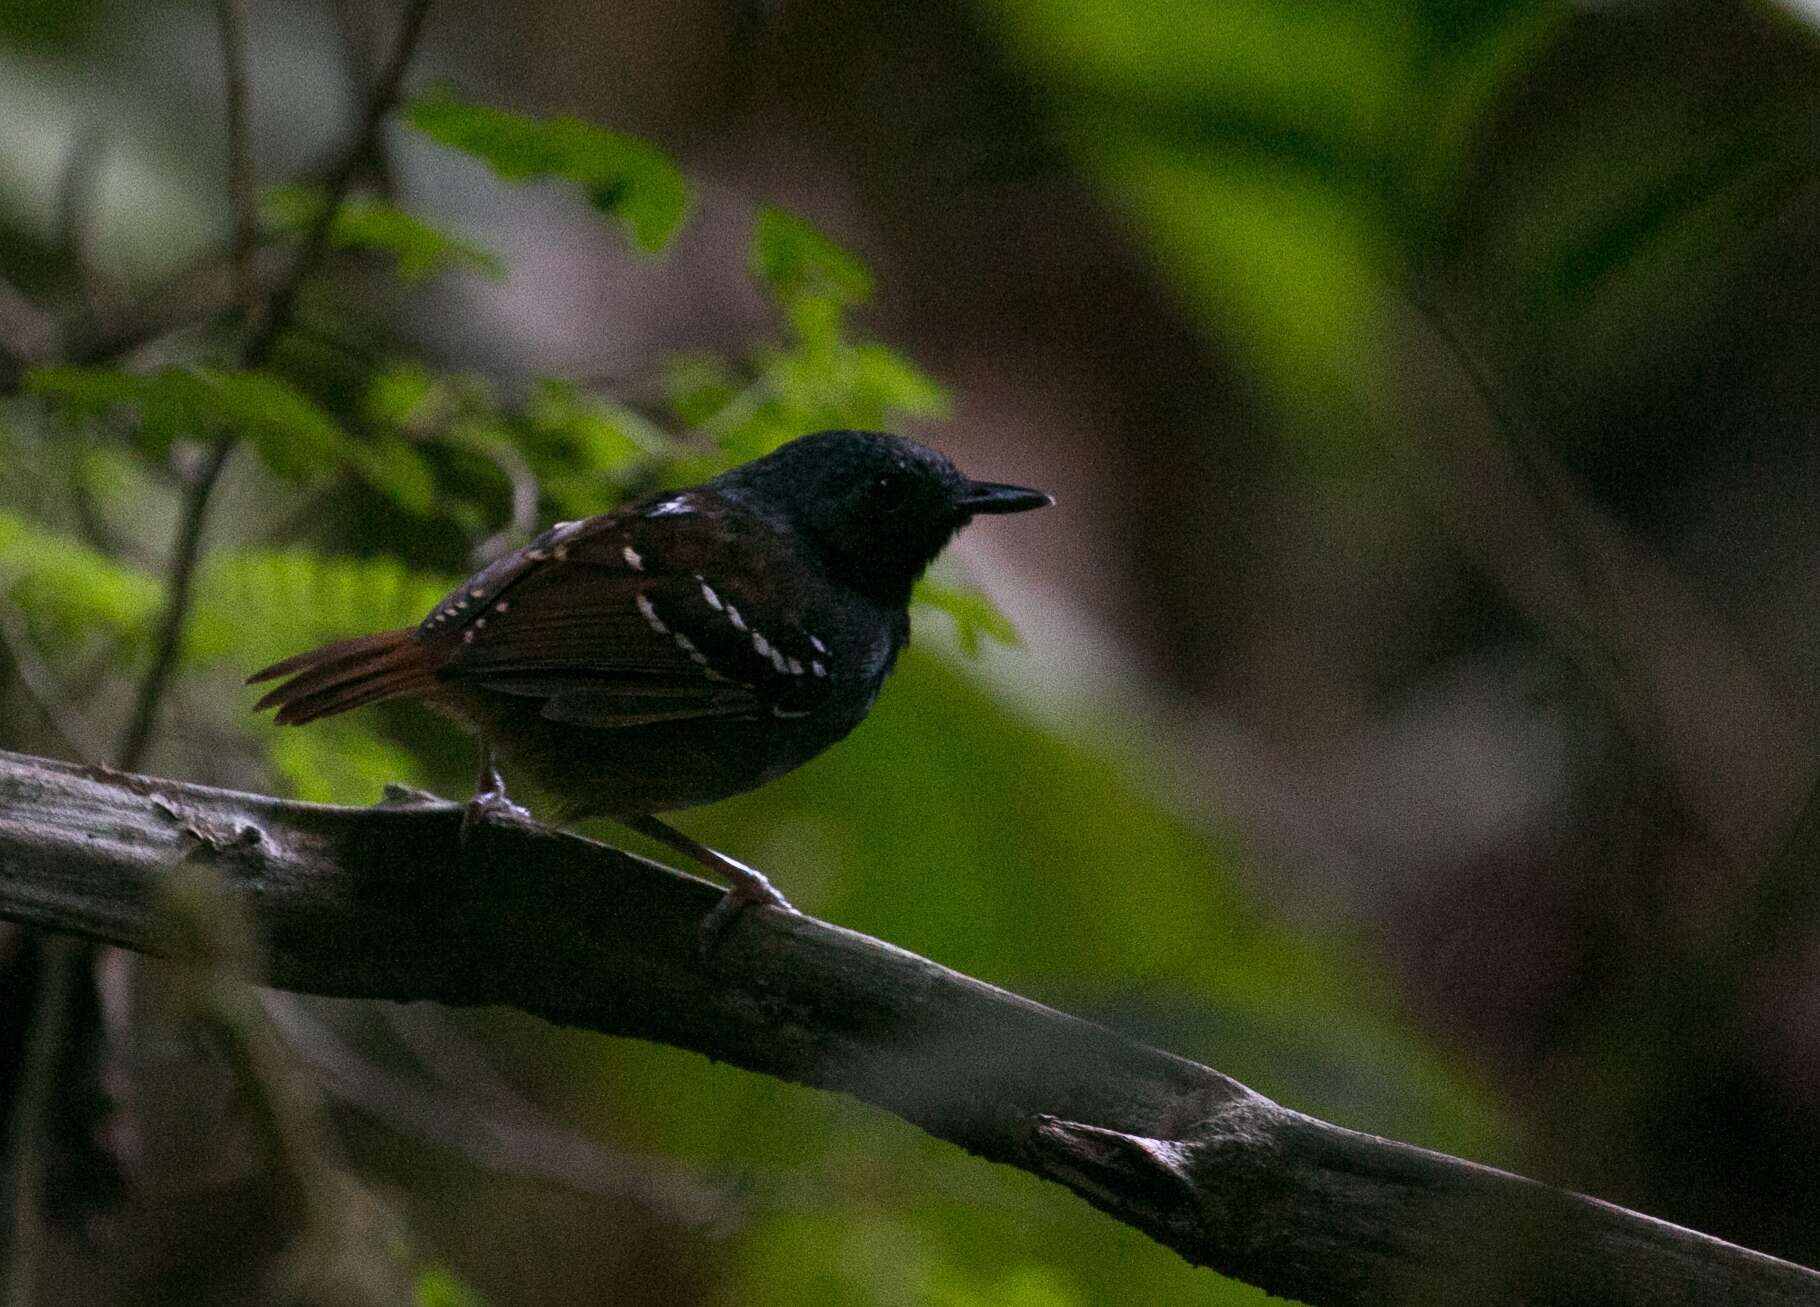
(875, 509)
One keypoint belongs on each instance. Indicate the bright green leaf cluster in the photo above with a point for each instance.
(379, 226)
(294, 435)
(622, 175)
(819, 376)
(791, 259)
(436, 1286)
(975, 616)
(256, 607)
(66, 589)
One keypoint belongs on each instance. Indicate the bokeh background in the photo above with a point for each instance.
(1411, 706)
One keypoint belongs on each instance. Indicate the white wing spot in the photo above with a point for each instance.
(560, 553)
(819, 646)
(652, 620)
(633, 558)
(777, 661)
(467, 637)
(669, 508)
(501, 606)
(796, 668)
(477, 594)
(707, 592)
(783, 712)
(739, 623)
(816, 667)
(537, 555)
(687, 645)
(762, 645)
(479, 622)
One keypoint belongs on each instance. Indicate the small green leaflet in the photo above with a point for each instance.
(791, 259)
(379, 226)
(622, 175)
(294, 436)
(975, 616)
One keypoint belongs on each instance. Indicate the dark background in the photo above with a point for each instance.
(1413, 714)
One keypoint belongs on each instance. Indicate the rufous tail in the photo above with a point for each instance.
(344, 675)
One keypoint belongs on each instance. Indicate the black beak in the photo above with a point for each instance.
(990, 497)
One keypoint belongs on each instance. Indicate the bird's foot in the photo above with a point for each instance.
(749, 889)
(491, 807)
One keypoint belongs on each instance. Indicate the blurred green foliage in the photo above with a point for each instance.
(1028, 852)
(1289, 163)
(620, 174)
(381, 227)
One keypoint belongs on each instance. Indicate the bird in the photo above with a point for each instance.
(685, 647)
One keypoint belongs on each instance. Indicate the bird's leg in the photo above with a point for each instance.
(490, 803)
(749, 884)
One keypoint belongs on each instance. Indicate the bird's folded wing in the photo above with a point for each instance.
(615, 635)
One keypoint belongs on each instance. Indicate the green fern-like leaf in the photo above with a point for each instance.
(622, 175)
(976, 617)
(791, 258)
(254, 608)
(293, 434)
(381, 227)
(66, 589)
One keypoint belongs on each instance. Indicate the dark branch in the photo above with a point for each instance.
(387, 903)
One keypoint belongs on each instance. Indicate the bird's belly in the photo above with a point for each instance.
(590, 771)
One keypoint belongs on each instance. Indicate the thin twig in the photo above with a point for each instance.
(27, 334)
(521, 525)
(232, 22)
(178, 592)
(77, 191)
(335, 189)
(41, 683)
(264, 335)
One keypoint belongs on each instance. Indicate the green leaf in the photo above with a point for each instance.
(66, 589)
(379, 226)
(294, 436)
(975, 616)
(622, 175)
(85, 392)
(273, 603)
(887, 380)
(595, 436)
(398, 471)
(438, 1287)
(699, 386)
(399, 394)
(791, 258)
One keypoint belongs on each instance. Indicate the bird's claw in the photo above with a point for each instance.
(492, 808)
(749, 889)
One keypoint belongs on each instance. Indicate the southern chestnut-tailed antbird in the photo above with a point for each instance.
(682, 648)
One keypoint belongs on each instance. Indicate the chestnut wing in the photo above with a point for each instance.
(631, 618)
